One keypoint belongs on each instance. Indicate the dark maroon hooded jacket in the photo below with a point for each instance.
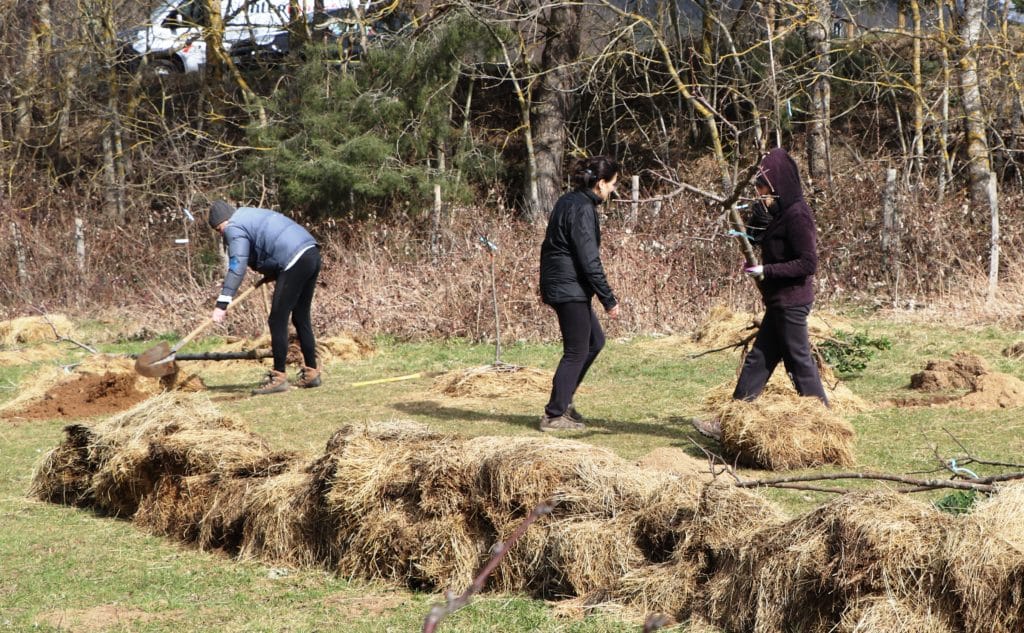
(789, 243)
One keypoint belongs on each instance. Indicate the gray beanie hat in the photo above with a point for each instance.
(219, 212)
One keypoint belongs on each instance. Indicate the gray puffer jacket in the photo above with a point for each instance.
(263, 240)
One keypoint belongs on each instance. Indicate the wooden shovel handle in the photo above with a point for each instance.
(209, 321)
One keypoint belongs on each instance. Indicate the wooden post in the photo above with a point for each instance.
(19, 255)
(634, 205)
(436, 231)
(993, 260)
(889, 213)
(80, 243)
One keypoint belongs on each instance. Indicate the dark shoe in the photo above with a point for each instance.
(560, 423)
(574, 415)
(711, 428)
(276, 382)
(308, 377)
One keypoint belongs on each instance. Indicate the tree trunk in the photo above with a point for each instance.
(817, 34)
(979, 166)
(553, 101)
(918, 145)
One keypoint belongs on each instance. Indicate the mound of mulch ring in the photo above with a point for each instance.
(398, 501)
(493, 381)
(986, 389)
(100, 385)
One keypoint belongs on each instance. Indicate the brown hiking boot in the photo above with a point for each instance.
(574, 415)
(275, 382)
(560, 423)
(708, 427)
(308, 377)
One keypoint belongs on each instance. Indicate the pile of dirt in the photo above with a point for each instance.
(35, 329)
(784, 431)
(99, 385)
(401, 502)
(988, 390)
(493, 381)
(960, 372)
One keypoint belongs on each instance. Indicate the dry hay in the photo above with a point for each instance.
(342, 347)
(64, 474)
(890, 614)
(515, 474)
(780, 432)
(493, 381)
(35, 329)
(676, 461)
(725, 328)
(170, 434)
(840, 399)
(29, 355)
(586, 554)
(986, 563)
(960, 372)
(666, 517)
(282, 516)
(887, 542)
(666, 588)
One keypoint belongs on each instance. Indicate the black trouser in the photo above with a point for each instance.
(782, 336)
(582, 340)
(293, 295)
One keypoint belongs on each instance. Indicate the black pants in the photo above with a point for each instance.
(783, 336)
(293, 296)
(582, 340)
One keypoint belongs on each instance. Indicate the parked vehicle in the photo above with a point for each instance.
(172, 40)
(343, 31)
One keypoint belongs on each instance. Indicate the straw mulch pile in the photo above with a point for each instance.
(329, 349)
(840, 398)
(493, 381)
(35, 329)
(724, 328)
(401, 502)
(784, 431)
(28, 355)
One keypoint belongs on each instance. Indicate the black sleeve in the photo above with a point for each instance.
(757, 222)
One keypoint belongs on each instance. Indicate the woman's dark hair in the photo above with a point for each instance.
(587, 171)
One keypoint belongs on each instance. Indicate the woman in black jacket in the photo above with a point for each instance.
(570, 274)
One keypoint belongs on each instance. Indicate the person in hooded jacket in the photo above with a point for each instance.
(284, 252)
(571, 274)
(783, 226)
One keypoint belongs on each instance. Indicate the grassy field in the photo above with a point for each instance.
(68, 569)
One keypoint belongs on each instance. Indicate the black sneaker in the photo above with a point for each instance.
(560, 423)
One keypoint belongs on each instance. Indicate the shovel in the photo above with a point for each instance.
(158, 361)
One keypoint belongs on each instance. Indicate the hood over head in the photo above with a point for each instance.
(779, 171)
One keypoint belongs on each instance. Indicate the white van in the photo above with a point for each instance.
(172, 40)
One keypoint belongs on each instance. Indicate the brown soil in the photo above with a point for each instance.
(89, 395)
(101, 618)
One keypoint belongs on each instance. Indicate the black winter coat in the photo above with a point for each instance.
(570, 258)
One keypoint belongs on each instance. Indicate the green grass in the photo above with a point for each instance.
(65, 567)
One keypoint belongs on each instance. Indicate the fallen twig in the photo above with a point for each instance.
(983, 484)
(452, 602)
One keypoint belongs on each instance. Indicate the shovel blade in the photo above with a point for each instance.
(149, 362)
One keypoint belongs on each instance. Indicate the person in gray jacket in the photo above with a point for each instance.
(571, 274)
(286, 253)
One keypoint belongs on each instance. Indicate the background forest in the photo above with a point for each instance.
(458, 121)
